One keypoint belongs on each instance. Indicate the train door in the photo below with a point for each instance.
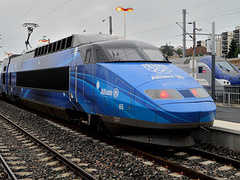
(72, 83)
(88, 81)
(82, 79)
(75, 80)
(4, 76)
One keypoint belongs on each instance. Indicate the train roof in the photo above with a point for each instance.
(185, 61)
(179, 61)
(91, 38)
(72, 41)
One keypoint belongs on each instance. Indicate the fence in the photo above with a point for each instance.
(226, 95)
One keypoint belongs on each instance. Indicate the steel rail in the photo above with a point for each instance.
(216, 157)
(81, 172)
(7, 168)
(170, 165)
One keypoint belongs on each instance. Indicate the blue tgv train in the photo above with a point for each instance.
(223, 69)
(125, 87)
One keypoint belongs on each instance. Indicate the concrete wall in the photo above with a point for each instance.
(219, 137)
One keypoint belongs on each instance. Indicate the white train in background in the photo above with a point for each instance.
(225, 72)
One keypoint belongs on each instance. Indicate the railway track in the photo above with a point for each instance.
(193, 163)
(177, 169)
(5, 170)
(22, 134)
(215, 157)
(151, 164)
(168, 164)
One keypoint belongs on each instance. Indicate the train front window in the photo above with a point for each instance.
(124, 54)
(225, 66)
(154, 54)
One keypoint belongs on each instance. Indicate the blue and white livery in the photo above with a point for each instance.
(125, 87)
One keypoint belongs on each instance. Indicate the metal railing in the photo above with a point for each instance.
(226, 95)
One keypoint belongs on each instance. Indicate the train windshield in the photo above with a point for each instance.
(127, 54)
(224, 65)
(135, 54)
(129, 51)
(154, 54)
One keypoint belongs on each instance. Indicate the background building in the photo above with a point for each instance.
(223, 41)
(226, 41)
(236, 35)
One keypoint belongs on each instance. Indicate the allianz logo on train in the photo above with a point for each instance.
(113, 93)
(107, 92)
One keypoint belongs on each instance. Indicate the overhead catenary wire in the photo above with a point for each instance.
(58, 7)
(39, 19)
(15, 22)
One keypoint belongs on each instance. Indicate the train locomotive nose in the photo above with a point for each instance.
(177, 121)
(185, 115)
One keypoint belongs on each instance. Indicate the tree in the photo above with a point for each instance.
(232, 49)
(237, 52)
(167, 50)
(179, 51)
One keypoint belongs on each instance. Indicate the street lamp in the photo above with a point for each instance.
(124, 10)
(110, 24)
(194, 46)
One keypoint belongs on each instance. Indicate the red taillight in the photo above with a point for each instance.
(199, 92)
(204, 71)
(164, 95)
(194, 92)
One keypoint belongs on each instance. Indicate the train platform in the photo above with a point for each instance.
(225, 130)
(230, 127)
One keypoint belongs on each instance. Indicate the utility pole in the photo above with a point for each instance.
(194, 50)
(184, 32)
(110, 24)
(213, 61)
(1, 41)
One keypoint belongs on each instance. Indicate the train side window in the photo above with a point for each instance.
(69, 42)
(43, 47)
(200, 69)
(63, 44)
(46, 49)
(36, 52)
(58, 46)
(50, 48)
(4, 68)
(41, 51)
(88, 56)
(4, 78)
(54, 47)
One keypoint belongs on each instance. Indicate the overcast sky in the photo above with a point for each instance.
(152, 21)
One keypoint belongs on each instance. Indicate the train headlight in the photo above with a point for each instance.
(163, 94)
(199, 92)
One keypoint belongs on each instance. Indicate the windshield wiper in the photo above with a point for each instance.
(224, 68)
